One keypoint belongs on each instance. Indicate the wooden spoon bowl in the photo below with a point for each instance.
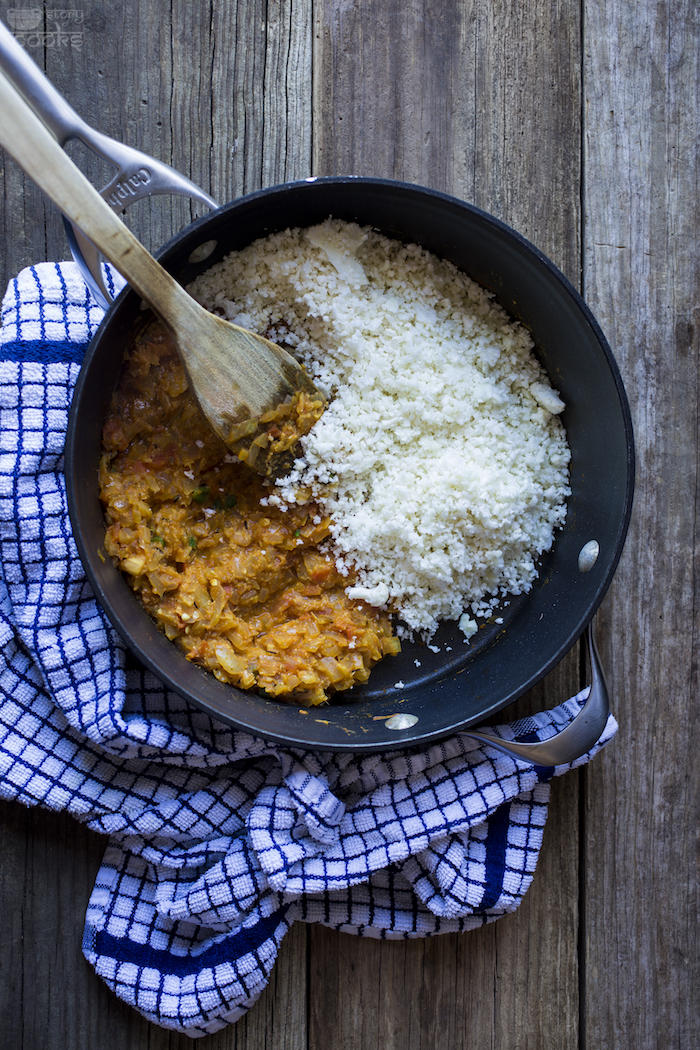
(243, 382)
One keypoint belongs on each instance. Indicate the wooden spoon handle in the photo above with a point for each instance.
(29, 142)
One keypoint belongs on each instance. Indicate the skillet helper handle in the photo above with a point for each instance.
(61, 120)
(137, 175)
(577, 738)
(31, 144)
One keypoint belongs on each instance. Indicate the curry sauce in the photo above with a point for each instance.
(248, 591)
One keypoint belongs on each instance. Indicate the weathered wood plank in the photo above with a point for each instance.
(642, 272)
(48, 864)
(482, 101)
(261, 90)
(224, 95)
(509, 984)
(47, 867)
(479, 100)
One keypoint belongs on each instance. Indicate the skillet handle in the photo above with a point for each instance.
(137, 174)
(577, 738)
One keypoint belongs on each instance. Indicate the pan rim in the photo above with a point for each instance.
(300, 739)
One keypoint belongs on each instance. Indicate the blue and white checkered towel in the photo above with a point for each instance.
(217, 842)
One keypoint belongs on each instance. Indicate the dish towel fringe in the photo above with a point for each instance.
(217, 842)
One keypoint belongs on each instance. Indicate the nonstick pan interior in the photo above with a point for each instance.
(460, 684)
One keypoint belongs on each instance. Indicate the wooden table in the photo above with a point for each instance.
(576, 122)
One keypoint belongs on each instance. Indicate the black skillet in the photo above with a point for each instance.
(460, 685)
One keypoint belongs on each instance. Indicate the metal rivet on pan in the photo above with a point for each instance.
(401, 721)
(202, 252)
(588, 556)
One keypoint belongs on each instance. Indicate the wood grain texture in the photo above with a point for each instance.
(224, 96)
(453, 96)
(48, 865)
(479, 100)
(642, 274)
(509, 984)
(261, 91)
(575, 122)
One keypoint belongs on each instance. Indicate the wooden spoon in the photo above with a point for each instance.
(255, 396)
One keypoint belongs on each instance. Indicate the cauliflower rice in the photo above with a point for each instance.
(441, 460)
